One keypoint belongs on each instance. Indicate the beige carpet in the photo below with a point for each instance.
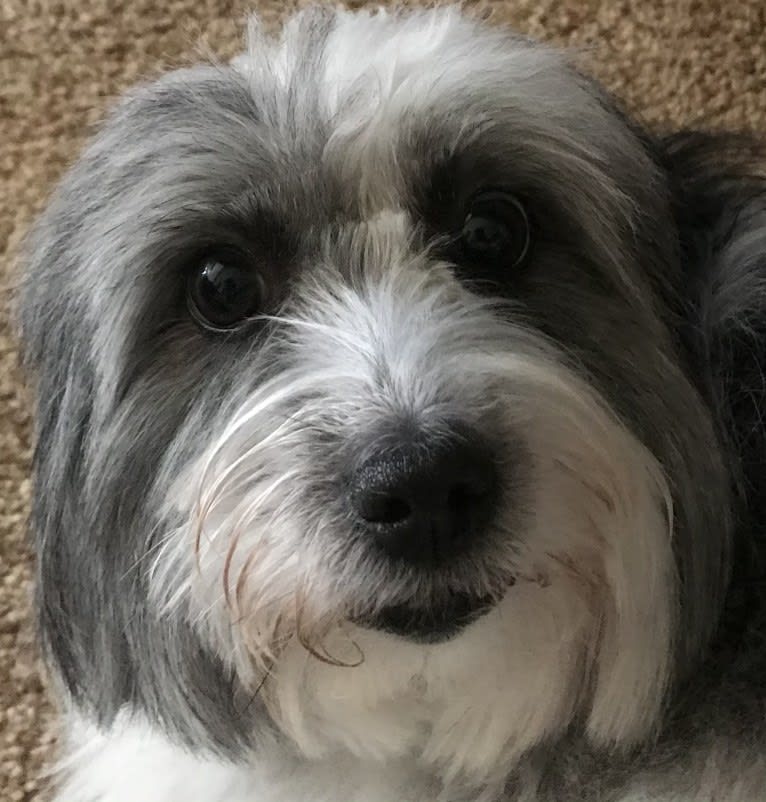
(61, 61)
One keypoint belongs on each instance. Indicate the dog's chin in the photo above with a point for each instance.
(431, 623)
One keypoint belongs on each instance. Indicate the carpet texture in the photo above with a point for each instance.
(674, 62)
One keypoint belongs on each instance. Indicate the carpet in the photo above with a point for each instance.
(673, 62)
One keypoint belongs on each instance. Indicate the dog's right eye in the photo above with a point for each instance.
(495, 231)
(223, 291)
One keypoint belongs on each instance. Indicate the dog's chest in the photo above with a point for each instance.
(134, 761)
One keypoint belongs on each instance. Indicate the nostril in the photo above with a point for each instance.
(381, 508)
(460, 496)
(463, 500)
(470, 490)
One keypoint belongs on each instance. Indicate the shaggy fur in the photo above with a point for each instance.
(208, 597)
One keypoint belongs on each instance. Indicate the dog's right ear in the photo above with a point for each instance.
(92, 526)
(718, 184)
(55, 333)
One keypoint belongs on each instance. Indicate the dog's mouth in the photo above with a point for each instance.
(433, 623)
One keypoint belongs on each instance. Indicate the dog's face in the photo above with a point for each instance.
(361, 387)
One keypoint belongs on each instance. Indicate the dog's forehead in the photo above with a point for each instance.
(345, 114)
(371, 100)
(341, 119)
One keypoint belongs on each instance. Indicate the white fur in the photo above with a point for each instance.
(134, 763)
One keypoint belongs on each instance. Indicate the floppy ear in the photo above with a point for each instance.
(55, 332)
(716, 301)
(718, 183)
(96, 459)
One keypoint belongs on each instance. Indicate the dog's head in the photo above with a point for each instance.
(361, 392)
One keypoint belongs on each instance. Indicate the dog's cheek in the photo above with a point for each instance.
(600, 529)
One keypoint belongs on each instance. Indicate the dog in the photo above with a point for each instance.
(400, 433)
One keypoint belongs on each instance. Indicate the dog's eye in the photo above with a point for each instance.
(495, 229)
(223, 291)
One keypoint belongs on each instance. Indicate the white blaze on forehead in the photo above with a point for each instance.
(363, 51)
(382, 54)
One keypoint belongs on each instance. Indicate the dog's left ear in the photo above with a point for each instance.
(714, 296)
(718, 192)
(718, 186)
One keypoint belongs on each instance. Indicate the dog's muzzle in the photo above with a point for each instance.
(425, 501)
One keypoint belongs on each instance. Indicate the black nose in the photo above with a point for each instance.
(427, 502)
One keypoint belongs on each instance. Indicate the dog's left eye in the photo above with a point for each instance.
(223, 291)
(495, 230)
